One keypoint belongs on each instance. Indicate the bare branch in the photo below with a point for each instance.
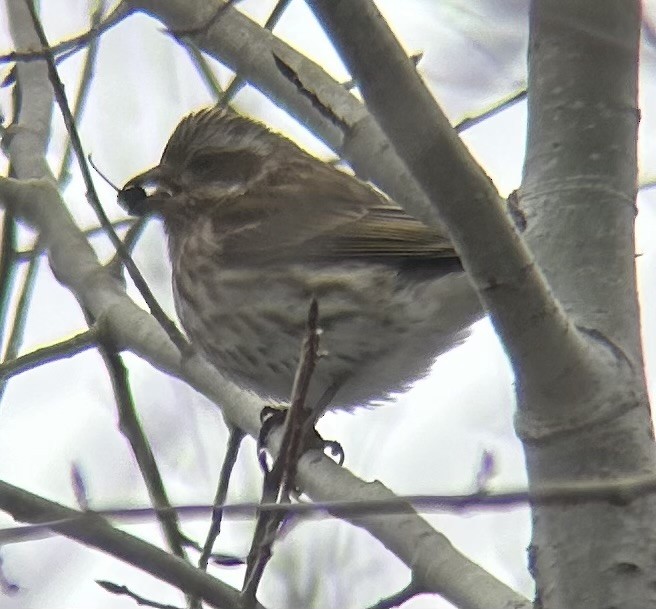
(278, 483)
(8, 261)
(498, 107)
(73, 45)
(76, 266)
(86, 78)
(204, 69)
(614, 492)
(125, 591)
(238, 82)
(176, 336)
(132, 430)
(250, 51)
(232, 450)
(94, 531)
(535, 329)
(39, 249)
(66, 348)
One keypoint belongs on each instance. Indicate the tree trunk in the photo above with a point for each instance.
(578, 200)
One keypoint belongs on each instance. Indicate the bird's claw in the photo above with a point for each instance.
(274, 416)
(270, 418)
(335, 450)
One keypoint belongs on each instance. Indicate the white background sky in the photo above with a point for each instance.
(430, 441)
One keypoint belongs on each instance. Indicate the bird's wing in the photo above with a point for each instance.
(323, 215)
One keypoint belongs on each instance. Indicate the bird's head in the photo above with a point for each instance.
(213, 156)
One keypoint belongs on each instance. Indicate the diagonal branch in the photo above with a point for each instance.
(75, 265)
(94, 531)
(542, 341)
(336, 116)
(15, 335)
(60, 95)
(279, 481)
(131, 428)
(238, 82)
(73, 45)
(51, 353)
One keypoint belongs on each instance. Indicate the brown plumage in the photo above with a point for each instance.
(257, 227)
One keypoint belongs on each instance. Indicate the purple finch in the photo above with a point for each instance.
(257, 228)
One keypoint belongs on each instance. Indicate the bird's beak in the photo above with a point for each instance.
(142, 193)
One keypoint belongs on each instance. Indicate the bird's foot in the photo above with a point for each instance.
(271, 417)
(275, 416)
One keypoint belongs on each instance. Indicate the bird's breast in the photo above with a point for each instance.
(379, 331)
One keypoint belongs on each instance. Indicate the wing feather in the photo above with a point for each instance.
(321, 214)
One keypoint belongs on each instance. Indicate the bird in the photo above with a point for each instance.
(257, 228)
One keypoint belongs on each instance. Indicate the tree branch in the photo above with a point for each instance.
(92, 530)
(410, 537)
(51, 353)
(338, 119)
(76, 266)
(60, 96)
(542, 341)
(578, 190)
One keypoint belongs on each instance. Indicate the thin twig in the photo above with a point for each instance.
(130, 240)
(113, 588)
(83, 90)
(396, 600)
(204, 69)
(66, 348)
(22, 306)
(498, 107)
(619, 492)
(72, 45)
(156, 310)
(20, 318)
(232, 449)
(647, 185)
(279, 482)
(7, 270)
(24, 297)
(79, 487)
(132, 430)
(39, 248)
(414, 58)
